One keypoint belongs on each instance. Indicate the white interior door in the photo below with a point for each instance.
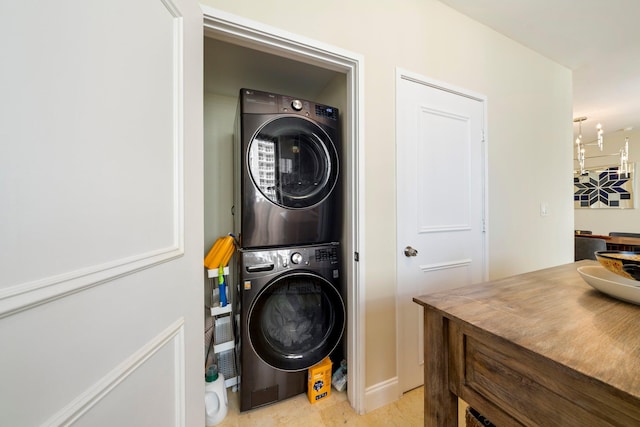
(440, 205)
(101, 219)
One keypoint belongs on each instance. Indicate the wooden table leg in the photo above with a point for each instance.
(440, 404)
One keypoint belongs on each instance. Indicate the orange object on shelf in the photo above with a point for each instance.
(220, 253)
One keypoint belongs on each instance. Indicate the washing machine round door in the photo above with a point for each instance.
(293, 162)
(296, 321)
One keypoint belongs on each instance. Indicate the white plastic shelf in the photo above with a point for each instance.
(218, 311)
(227, 366)
(223, 333)
(214, 273)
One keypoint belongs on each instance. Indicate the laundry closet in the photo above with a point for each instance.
(229, 67)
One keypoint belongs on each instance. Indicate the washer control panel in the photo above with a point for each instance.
(272, 261)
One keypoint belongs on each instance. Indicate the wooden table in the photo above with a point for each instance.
(617, 243)
(537, 349)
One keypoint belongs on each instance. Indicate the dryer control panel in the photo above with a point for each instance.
(289, 104)
(258, 102)
(326, 112)
(274, 260)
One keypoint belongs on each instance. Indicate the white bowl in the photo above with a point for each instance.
(610, 283)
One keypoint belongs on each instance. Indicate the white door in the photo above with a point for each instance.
(101, 213)
(440, 205)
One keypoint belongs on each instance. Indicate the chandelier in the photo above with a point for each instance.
(623, 153)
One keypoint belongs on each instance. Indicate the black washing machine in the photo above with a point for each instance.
(287, 185)
(292, 317)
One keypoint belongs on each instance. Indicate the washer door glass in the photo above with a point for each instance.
(296, 321)
(293, 162)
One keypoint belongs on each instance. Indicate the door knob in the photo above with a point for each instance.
(409, 251)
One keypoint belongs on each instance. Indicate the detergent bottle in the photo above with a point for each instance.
(215, 397)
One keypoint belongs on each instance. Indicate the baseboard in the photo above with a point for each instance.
(381, 394)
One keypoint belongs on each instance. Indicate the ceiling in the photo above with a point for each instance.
(245, 67)
(598, 40)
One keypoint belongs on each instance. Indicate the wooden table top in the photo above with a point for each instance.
(617, 240)
(556, 314)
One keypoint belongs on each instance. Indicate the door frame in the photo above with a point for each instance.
(244, 32)
(402, 74)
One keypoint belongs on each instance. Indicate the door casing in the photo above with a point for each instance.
(241, 31)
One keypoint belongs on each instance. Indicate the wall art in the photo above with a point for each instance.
(604, 188)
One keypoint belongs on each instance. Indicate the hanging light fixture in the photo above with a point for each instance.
(624, 158)
(600, 138)
(580, 145)
(580, 148)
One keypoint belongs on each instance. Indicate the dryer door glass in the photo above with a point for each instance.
(293, 162)
(296, 321)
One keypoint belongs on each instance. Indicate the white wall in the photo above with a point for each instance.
(529, 111)
(603, 221)
(219, 117)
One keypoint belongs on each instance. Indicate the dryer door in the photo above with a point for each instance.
(293, 162)
(296, 321)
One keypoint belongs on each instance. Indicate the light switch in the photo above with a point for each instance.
(544, 209)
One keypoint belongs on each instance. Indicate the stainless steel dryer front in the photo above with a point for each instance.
(287, 187)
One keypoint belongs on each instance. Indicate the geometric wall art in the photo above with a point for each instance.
(604, 188)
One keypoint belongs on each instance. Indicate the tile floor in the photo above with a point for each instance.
(335, 411)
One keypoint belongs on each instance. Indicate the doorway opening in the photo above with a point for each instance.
(237, 48)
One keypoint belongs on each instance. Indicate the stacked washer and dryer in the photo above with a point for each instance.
(288, 217)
